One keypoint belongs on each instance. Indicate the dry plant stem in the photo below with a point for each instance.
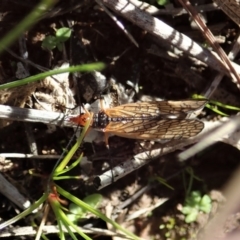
(133, 198)
(232, 54)
(207, 33)
(175, 11)
(28, 231)
(43, 222)
(227, 132)
(28, 130)
(24, 155)
(142, 191)
(32, 115)
(120, 25)
(108, 213)
(27, 61)
(146, 211)
(166, 33)
(133, 164)
(231, 8)
(8, 190)
(144, 158)
(31, 139)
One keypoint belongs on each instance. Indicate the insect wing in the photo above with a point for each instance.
(155, 108)
(160, 129)
(186, 106)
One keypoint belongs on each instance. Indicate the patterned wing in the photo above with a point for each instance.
(156, 108)
(156, 129)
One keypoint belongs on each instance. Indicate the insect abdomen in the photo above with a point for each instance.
(101, 119)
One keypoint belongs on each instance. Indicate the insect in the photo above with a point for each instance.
(165, 120)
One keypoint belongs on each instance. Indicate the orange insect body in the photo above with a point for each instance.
(147, 120)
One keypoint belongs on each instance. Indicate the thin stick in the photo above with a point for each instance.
(209, 36)
(215, 83)
(33, 115)
(12, 193)
(119, 24)
(164, 32)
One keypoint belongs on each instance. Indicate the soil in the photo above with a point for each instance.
(97, 38)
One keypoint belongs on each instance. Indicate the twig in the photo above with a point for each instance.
(232, 54)
(174, 11)
(25, 155)
(147, 210)
(227, 131)
(32, 115)
(24, 231)
(26, 61)
(164, 32)
(231, 8)
(31, 139)
(144, 158)
(12, 193)
(119, 24)
(143, 190)
(209, 36)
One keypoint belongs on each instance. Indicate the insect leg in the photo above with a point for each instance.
(101, 104)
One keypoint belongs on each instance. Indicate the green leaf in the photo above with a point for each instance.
(186, 210)
(196, 197)
(205, 204)
(93, 200)
(193, 199)
(195, 203)
(49, 43)
(28, 21)
(192, 216)
(162, 2)
(77, 212)
(95, 211)
(171, 223)
(60, 46)
(63, 34)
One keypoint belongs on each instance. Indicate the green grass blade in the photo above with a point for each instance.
(40, 76)
(26, 23)
(94, 211)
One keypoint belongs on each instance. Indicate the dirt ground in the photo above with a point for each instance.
(139, 75)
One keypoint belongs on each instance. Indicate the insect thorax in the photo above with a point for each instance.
(101, 120)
